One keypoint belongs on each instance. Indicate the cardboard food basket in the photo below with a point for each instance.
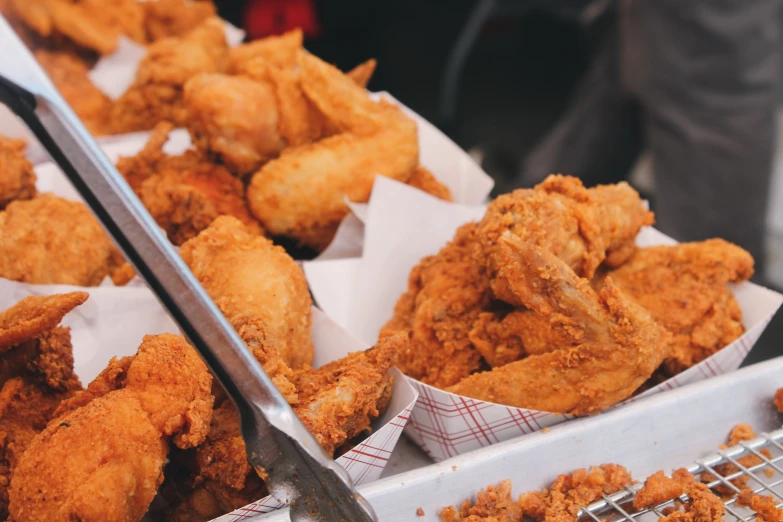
(404, 225)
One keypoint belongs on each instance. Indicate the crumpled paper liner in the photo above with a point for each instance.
(402, 226)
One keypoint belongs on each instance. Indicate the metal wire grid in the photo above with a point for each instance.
(765, 478)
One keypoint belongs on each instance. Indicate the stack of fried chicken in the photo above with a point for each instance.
(156, 423)
(547, 303)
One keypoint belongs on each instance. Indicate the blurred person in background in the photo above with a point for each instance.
(695, 82)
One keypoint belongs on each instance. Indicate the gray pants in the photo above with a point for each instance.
(695, 82)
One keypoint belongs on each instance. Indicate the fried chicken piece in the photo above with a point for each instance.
(185, 193)
(684, 289)
(69, 75)
(113, 437)
(95, 25)
(704, 506)
(36, 373)
(446, 294)
(17, 179)
(425, 180)
(50, 240)
(279, 51)
(157, 91)
(336, 403)
(235, 118)
(167, 18)
(617, 344)
(583, 227)
(764, 505)
(261, 291)
(492, 505)
(302, 193)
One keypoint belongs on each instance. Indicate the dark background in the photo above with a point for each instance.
(515, 83)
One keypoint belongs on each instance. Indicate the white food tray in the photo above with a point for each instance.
(665, 432)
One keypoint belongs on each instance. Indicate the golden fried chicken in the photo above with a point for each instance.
(69, 74)
(583, 227)
(446, 294)
(261, 291)
(17, 179)
(157, 91)
(94, 25)
(704, 505)
(50, 240)
(247, 120)
(302, 193)
(336, 403)
(185, 193)
(616, 344)
(166, 18)
(684, 289)
(235, 118)
(36, 374)
(425, 180)
(113, 437)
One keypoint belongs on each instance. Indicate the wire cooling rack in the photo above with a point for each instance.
(765, 477)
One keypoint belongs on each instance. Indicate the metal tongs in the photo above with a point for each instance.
(297, 470)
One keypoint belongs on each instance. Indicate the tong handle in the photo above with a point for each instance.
(296, 469)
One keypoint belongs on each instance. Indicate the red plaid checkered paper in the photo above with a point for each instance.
(403, 225)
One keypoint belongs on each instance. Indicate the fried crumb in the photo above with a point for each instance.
(419, 512)
(779, 400)
(545, 430)
(764, 505)
(740, 433)
(453, 468)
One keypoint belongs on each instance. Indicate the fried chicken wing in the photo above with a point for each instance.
(50, 240)
(261, 291)
(17, 179)
(618, 345)
(69, 75)
(583, 227)
(684, 289)
(302, 193)
(157, 91)
(36, 373)
(113, 437)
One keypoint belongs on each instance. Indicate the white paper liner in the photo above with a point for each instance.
(403, 225)
(113, 321)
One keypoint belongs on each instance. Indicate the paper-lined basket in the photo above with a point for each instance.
(113, 321)
(402, 226)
